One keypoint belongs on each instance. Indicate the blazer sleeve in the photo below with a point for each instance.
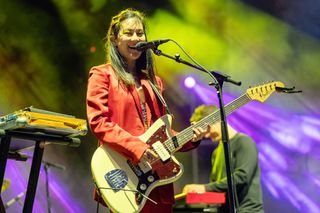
(99, 118)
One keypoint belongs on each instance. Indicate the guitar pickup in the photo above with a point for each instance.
(161, 151)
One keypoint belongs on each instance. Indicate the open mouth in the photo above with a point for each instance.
(132, 50)
(132, 47)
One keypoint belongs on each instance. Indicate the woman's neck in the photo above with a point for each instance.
(131, 67)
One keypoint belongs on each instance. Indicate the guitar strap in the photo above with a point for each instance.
(161, 99)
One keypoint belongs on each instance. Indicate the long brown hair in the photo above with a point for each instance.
(144, 64)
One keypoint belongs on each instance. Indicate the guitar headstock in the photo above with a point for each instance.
(262, 92)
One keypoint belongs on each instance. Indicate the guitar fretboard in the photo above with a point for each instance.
(176, 142)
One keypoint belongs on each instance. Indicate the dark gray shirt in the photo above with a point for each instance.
(244, 159)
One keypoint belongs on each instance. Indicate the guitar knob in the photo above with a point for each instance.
(175, 171)
(143, 187)
(150, 178)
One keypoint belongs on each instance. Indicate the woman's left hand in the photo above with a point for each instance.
(198, 134)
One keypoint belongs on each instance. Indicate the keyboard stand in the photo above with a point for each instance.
(39, 138)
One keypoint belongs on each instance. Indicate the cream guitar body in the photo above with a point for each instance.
(125, 187)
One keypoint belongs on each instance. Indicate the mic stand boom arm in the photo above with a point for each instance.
(219, 78)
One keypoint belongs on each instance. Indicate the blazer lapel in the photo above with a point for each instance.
(152, 95)
(136, 99)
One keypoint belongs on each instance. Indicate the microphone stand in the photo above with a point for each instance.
(219, 79)
(47, 165)
(217, 75)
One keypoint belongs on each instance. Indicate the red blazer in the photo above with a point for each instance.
(115, 117)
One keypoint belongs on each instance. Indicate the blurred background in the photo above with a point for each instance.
(48, 46)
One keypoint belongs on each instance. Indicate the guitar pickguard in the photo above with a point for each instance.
(160, 170)
(164, 169)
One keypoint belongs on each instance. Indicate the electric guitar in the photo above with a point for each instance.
(125, 187)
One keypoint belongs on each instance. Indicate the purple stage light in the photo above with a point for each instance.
(310, 128)
(273, 156)
(189, 82)
(269, 185)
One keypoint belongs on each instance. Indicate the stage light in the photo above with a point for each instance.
(189, 82)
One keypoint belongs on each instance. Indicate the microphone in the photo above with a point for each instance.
(144, 45)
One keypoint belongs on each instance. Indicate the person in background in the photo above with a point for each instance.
(244, 161)
(123, 99)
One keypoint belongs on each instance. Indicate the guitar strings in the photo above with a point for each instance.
(187, 134)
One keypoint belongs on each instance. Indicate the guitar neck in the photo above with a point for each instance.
(175, 143)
